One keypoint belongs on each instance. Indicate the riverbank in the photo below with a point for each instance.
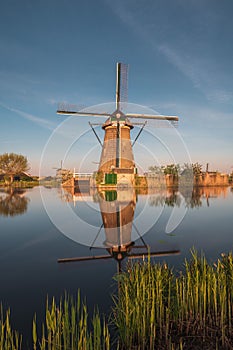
(20, 184)
(156, 308)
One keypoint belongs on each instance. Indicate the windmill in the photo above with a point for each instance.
(117, 160)
(117, 210)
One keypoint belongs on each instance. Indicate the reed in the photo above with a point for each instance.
(68, 327)
(9, 339)
(157, 308)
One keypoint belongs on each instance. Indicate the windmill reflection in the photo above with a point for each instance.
(117, 215)
(117, 211)
(13, 202)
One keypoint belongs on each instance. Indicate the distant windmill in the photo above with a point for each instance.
(117, 154)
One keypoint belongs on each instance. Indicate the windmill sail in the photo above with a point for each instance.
(151, 116)
(121, 85)
(71, 109)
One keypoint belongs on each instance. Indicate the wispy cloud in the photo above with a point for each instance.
(17, 77)
(199, 70)
(23, 86)
(39, 121)
(182, 63)
(189, 52)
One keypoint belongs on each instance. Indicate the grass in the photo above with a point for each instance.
(9, 339)
(67, 327)
(155, 308)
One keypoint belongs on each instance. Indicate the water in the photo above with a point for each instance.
(31, 240)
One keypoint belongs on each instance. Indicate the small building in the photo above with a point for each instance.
(23, 176)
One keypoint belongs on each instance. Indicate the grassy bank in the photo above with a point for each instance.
(20, 184)
(156, 308)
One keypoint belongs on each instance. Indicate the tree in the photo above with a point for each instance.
(14, 203)
(172, 169)
(63, 174)
(197, 169)
(156, 169)
(12, 164)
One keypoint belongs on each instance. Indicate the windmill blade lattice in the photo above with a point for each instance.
(122, 86)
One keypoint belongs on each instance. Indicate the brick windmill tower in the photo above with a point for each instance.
(117, 161)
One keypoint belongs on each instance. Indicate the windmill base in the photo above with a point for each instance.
(125, 180)
(120, 177)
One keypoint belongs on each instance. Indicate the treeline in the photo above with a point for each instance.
(177, 169)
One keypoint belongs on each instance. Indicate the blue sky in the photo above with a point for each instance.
(180, 57)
